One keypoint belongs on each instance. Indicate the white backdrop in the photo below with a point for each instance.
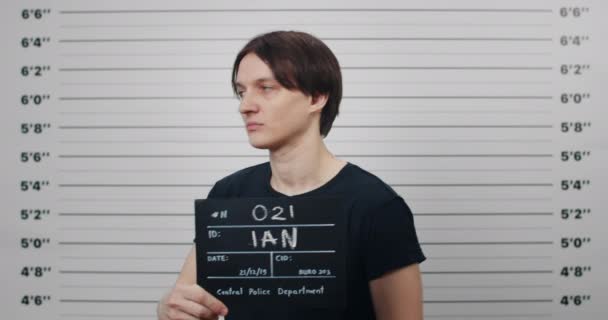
(488, 117)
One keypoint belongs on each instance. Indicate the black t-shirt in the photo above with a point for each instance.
(381, 233)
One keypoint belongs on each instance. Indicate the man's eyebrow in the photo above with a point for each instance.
(238, 84)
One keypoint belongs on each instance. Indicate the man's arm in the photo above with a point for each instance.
(397, 295)
(187, 276)
(188, 273)
(187, 300)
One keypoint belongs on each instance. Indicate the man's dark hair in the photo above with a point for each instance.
(299, 61)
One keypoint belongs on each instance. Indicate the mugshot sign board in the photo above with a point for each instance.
(272, 251)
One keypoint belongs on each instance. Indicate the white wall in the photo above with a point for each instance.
(484, 168)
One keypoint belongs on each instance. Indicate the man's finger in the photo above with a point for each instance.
(200, 295)
(178, 314)
(197, 310)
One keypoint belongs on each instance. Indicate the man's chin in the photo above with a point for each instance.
(271, 144)
(258, 144)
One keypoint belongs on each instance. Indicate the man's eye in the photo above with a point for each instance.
(267, 88)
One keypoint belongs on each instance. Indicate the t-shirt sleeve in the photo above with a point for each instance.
(392, 241)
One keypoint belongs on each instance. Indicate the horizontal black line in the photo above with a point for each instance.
(450, 68)
(145, 98)
(106, 301)
(491, 315)
(191, 228)
(190, 243)
(121, 258)
(490, 272)
(346, 67)
(380, 81)
(124, 243)
(490, 301)
(334, 140)
(424, 272)
(367, 53)
(495, 257)
(144, 69)
(158, 156)
(127, 214)
(106, 315)
(449, 97)
(223, 170)
(156, 199)
(338, 23)
(482, 286)
(341, 155)
(128, 185)
(488, 243)
(115, 214)
(487, 214)
(116, 272)
(322, 38)
(116, 185)
(112, 287)
(425, 301)
(344, 97)
(471, 185)
(508, 126)
(311, 10)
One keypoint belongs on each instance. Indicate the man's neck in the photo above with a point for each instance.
(303, 166)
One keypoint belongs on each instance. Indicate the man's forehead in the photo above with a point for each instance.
(256, 80)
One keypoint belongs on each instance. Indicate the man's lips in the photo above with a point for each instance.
(253, 125)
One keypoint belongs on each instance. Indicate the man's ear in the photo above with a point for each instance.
(319, 101)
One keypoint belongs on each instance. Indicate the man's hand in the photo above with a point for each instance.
(189, 302)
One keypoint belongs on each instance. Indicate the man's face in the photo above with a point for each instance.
(274, 116)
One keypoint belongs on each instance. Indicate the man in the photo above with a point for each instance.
(289, 86)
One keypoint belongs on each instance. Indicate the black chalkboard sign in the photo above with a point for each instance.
(272, 251)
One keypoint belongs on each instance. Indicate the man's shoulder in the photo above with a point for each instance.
(367, 186)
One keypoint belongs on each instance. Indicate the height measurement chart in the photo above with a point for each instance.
(487, 117)
(272, 252)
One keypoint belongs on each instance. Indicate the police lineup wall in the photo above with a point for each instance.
(487, 117)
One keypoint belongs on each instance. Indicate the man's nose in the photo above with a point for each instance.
(248, 103)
